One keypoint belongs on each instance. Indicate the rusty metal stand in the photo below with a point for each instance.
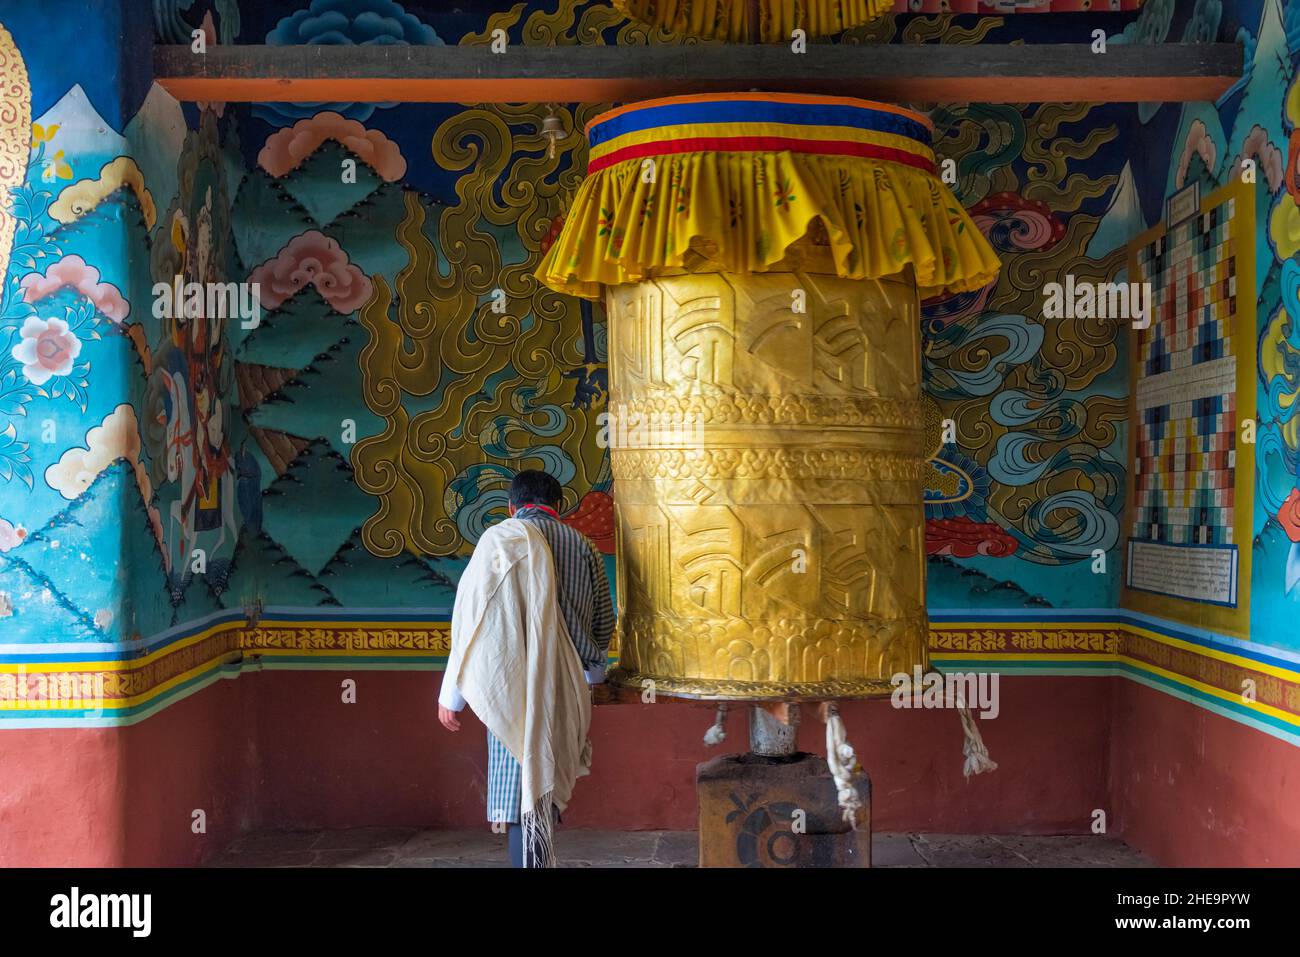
(776, 806)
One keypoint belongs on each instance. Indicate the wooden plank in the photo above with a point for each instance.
(916, 73)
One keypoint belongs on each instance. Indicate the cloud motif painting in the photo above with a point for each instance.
(312, 259)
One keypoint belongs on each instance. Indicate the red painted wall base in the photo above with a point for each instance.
(1193, 789)
(280, 749)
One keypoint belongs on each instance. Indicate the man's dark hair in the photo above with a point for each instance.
(535, 487)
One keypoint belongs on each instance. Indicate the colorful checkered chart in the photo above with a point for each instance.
(1183, 510)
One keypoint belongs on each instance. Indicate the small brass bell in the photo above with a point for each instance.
(553, 130)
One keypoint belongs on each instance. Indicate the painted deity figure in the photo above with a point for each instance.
(196, 449)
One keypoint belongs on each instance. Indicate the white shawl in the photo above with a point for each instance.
(515, 664)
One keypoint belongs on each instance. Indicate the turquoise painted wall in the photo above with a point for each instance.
(69, 438)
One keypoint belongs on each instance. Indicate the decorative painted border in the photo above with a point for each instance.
(73, 685)
(58, 685)
(1204, 668)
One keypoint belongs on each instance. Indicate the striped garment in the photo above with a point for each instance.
(589, 616)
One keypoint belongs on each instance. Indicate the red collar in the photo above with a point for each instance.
(544, 508)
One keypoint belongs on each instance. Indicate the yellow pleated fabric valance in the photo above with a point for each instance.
(729, 19)
(743, 182)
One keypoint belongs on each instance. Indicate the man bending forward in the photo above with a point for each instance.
(532, 622)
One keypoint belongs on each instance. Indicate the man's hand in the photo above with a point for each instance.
(448, 718)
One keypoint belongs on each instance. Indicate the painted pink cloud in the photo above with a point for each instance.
(285, 150)
(75, 272)
(312, 259)
(11, 536)
(46, 348)
(1258, 147)
(1198, 143)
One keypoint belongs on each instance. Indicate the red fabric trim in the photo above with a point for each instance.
(735, 144)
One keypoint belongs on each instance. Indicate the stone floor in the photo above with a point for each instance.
(412, 847)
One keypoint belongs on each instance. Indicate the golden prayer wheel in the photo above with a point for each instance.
(767, 467)
(763, 257)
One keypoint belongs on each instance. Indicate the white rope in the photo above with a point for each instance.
(717, 732)
(977, 753)
(842, 762)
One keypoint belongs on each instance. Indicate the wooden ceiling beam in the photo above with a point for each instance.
(908, 73)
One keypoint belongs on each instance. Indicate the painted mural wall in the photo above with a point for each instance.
(347, 450)
(434, 399)
(183, 496)
(1207, 144)
(333, 462)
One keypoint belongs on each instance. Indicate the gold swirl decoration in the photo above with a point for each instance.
(565, 27)
(15, 135)
(458, 383)
(1068, 414)
(731, 20)
(1076, 352)
(442, 368)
